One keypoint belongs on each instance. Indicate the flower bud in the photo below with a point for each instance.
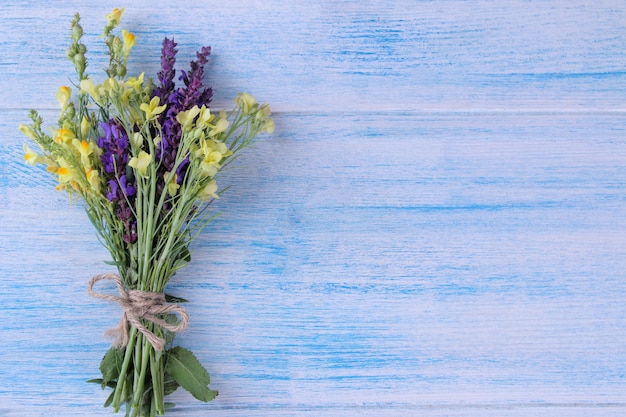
(116, 44)
(79, 61)
(70, 111)
(77, 32)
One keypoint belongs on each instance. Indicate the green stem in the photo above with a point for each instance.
(157, 385)
(121, 379)
(141, 375)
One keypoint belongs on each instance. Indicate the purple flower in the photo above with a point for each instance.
(193, 93)
(167, 73)
(128, 189)
(181, 170)
(121, 191)
(113, 188)
(190, 94)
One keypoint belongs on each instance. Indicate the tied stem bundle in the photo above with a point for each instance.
(139, 305)
(144, 157)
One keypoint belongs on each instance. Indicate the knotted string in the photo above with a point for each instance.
(138, 305)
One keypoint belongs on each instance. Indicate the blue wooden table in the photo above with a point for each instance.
(437, 227)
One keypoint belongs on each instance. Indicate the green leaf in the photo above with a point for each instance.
(187, 371)
(111, 365)
(96, 381)
(170, 318)
(109, 400)
(169, 384)
(173, 299)
(183, 257)
(100, 381)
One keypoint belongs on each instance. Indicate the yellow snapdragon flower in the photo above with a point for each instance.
(268, 125)
(64, 135)
(186, 118)
(246, 102)
(85, 149)
(64, 171)
(28, 131)
(172, 185)
(87, 86)
(63, 96)
(209, 191)
(31, 156)
(135, 83)
(93, 176)
(152, 109)
(129, 41)
(141, 162)
(115, 16)
(137, 139)
(84, 127)
(220, 126)
(212, 152)
(204, 117)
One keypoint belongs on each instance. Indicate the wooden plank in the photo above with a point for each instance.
(435, 229)
(395, 263)
(350, 55)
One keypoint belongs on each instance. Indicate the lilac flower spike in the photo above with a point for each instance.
(167, 73)
(121, 191)
(192, 94)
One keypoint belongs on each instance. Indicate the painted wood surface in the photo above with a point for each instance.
(436, 227)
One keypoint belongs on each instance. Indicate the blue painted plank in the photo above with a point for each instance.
(351, 55)
(435, 229)
(436, 264)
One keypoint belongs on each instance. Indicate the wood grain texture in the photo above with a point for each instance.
(436, 228)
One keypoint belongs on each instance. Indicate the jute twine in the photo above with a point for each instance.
(139, 305)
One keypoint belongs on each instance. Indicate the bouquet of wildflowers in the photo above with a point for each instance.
(143, 157)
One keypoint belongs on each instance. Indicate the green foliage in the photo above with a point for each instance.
(189, 373)
(111, 365)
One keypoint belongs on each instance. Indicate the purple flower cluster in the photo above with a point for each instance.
(177, 100)
(121, 188)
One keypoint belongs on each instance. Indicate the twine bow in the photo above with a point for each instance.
(139, 305)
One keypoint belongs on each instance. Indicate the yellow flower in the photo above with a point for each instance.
(172, 185)
(135, 83)
(63, 96)
(93, 176)
(204, 117)
(110, 85)
(84, 127)
(85, 149)
(186, 118)
(268, 126)
(137, 139)
(152, 109)
(246, 102)
(64, 136)
(221, 126)
(31, 156)
(209, 190)
(28, 131)
(141, 162)
(129, 41)
(64, 171)
(115, 16)
(209, 168)
(87, 86)
(135, 116)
